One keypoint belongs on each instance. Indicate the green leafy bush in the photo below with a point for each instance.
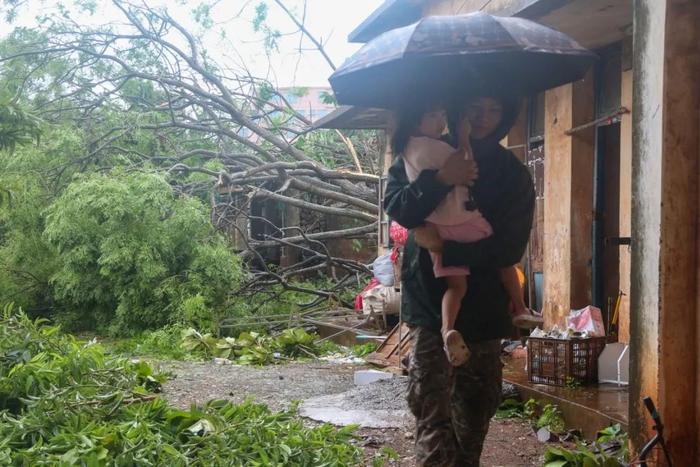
(609, 450)
(162, 344)
(252, 348)
(551, 418)
(67, 403)
(511, 408)
(135, 256)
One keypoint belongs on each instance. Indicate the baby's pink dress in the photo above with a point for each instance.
(450, 217)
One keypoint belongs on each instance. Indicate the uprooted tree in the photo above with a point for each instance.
(148, 96)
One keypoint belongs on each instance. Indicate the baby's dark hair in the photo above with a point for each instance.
(408, 117)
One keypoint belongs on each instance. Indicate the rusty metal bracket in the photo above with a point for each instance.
(604, 119)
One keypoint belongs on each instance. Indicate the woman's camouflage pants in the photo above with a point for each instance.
(452, 406)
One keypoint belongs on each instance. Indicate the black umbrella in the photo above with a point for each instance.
(473, 53)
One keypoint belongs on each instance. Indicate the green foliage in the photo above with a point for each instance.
(274, 300)
(530, 409)
(511, 408)
(261, 11)
(573, 383)
(609, 450)
(41, 369)
(66, 403)
(580, 457)
(362, 350)
(328, 98)
(90, 238)
(134, 256)
(202, 14)
(270, 36)
(385, 454)
(613, 433)
(327, 147)
(17, 126)
(161, 344)
(27, 260)
(252, 348)
(551, 418)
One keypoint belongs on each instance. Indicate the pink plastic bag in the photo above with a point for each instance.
(398, 233)
(588, 320)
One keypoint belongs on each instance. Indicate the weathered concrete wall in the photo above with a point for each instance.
(664, 300)
(625, 206)
(646, 218)
(568, 198)
(697, 320)
(677, 376)
(697, 327)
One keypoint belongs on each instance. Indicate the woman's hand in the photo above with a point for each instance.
(427, 236)
(458, 171)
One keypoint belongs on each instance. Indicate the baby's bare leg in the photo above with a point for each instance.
(509, 277)
(452, 300)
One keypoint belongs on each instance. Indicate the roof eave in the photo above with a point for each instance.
(390, 14)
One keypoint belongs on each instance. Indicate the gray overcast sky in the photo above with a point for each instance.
(329, 20)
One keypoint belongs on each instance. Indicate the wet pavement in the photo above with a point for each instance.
(381, 404)
(588, 408)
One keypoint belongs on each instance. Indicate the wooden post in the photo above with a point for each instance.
(664, 339)
(625, 207)
(568, 198)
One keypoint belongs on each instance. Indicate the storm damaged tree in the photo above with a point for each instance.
(148, 95)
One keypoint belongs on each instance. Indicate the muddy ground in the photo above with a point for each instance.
(509, 443)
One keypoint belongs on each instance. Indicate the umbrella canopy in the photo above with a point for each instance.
(448, 55)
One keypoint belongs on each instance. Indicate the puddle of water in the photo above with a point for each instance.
(331, 409)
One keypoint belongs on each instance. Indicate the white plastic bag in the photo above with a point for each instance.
(588, 320)
(383, 270)
(381, 299)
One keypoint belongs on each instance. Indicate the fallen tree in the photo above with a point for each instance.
(147, 94)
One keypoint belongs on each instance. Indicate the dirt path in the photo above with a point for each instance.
(509, 443)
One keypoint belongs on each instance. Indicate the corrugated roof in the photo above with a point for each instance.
(348, 117)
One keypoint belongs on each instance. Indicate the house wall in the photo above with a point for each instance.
(664, 324)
